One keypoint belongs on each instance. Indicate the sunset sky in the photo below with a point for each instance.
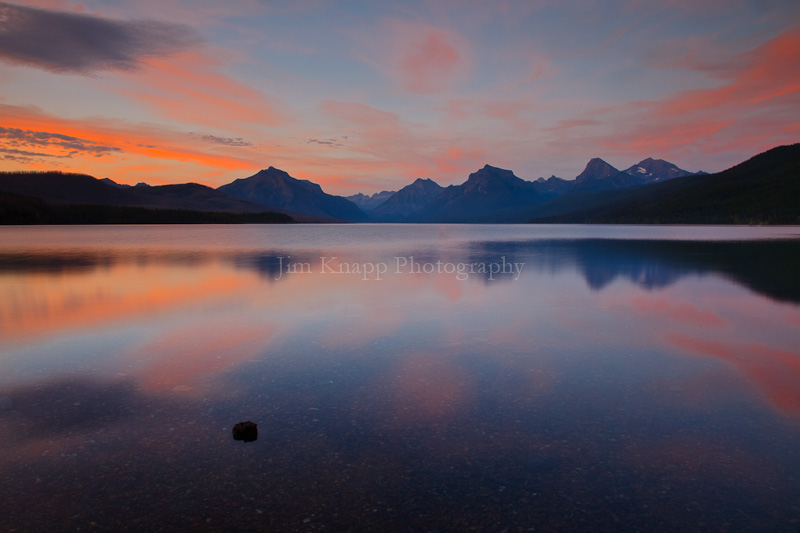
(364, 96)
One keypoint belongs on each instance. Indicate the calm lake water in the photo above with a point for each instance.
(403, 378)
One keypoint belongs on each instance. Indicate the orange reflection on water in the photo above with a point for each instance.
(683, 458)
(181, 358)
(677, 311)
(774, 372)
(424, 388)
(45, 303)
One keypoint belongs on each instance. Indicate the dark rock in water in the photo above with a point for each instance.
(246, 431)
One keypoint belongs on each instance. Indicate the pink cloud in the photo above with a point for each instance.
(403, 148)
(189, 87)
(753, 109)
(419, 58)
(428, 65)
(513, 112)
(754, 77)
(503, 116)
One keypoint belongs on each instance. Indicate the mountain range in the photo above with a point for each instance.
(80, 189)
(368, 202)
(763, 189)
(409, 200)
(486, 192)
(276, 188)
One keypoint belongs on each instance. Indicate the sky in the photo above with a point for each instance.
(365, 96)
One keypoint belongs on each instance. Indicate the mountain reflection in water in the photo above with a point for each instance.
(619, 382)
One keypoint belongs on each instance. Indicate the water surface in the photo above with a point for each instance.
(490, 377)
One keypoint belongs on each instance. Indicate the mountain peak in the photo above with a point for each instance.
(273, 172)
(652, 170)
(487, 193)
(407, 201)
(595, 169)
(368, 202)
(275, 177)
(275, 187)
(490, 172)
(113, 183)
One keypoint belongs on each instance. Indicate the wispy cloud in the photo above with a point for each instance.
(420, 58)
(751, 108)
(26, 156)
(333, 143)
(14, 144)
(225, 141)
(369, 97)
(61, 41)
(122, 145)
(191, 88)
(429, 62)
(384, 139)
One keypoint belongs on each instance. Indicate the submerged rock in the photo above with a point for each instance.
(246, 431)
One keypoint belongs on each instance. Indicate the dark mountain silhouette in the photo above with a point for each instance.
(599, 175)
(115, 184)
(598, 186)
(655, 170)
(763, 189)
(486, 193)
(80, 189)
(407, 201)
(552, 186)
(197, 197)
(23, 210)
(495, 195)
(368, 202)
(275, 187)
(768, 267)
(60, 188)
(567, 204)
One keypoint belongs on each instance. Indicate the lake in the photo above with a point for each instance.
(403, 378)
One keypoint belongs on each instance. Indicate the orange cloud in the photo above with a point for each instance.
(189, 88)
(755, 77)
(753, 108)
(103, 144)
